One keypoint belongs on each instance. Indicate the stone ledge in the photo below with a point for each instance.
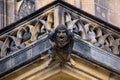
(97, 55)
(24, 55)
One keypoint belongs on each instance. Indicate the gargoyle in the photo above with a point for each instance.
(62, 42)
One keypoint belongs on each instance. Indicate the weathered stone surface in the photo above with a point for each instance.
(80, 46)
(86, 26)
(10, 12)
(101, 12)
(97, 55)
(1, 13)
(105, 58)
(109, 11)
(22, 56)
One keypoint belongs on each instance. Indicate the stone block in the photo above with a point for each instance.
(24, 55)
(97, 55)
(101, 12)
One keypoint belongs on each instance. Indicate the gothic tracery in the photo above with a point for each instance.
(89, 31)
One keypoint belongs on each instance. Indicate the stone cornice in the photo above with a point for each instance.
(96, 55)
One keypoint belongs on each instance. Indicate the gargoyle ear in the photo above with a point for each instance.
(51, 36)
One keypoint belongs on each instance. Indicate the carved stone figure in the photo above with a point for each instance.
(62, 41)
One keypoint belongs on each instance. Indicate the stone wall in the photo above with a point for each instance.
(1, 13)
(10, 11)
(41, 3)
(107, 10)
(7, 12)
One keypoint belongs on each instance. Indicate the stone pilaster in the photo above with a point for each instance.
(10, 11)
(1, 13)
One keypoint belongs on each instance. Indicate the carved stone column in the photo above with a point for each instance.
(10, 11)
(1, 14)
(7, 12)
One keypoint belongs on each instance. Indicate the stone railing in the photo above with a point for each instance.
(88, 29)
(94, 33)
(25, 34)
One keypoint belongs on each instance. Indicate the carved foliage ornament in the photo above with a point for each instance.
(87, 30)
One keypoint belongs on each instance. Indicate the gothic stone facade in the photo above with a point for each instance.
(60, 42)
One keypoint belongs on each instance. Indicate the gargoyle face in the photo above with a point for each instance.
(61, 35)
